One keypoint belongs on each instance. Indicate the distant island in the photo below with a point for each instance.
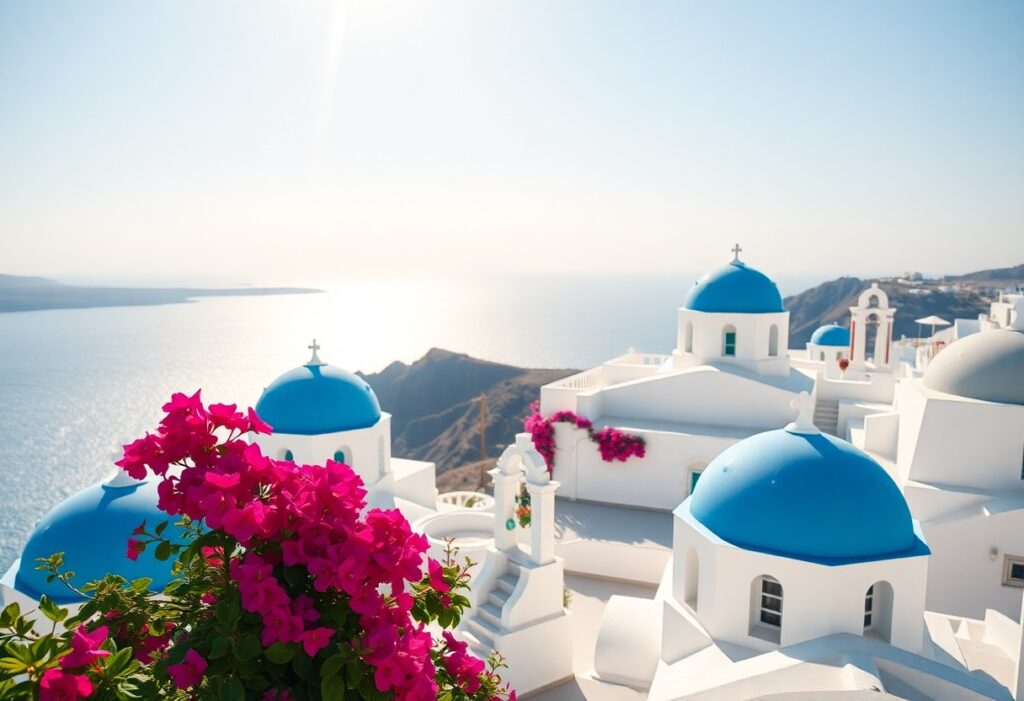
(27, 294)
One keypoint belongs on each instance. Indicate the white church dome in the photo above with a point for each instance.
(988, 365)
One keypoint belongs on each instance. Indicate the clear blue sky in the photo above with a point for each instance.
(280, 141)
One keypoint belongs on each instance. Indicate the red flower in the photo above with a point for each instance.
(58, 685)
(189, 672)
(134, 548)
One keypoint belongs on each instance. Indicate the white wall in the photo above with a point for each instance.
(367, 450)
(818, 599)
(659, 480)
(963, 578)
(752, 339)
(962, 442)
(702, 396)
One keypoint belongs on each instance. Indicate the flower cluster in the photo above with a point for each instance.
(612, 443)
(287, 587)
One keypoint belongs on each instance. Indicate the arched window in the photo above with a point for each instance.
(823, 355)
(287, 455)
(729, 340)
(693, 473)
(382, 458)
(688, 347)
(691, 583)
(773, 341)
(344, 455)
(878, 611)
(766, 608)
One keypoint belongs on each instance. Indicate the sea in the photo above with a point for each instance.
(75, 385)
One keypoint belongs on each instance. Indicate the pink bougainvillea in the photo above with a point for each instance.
(612, 443)
(286, 587)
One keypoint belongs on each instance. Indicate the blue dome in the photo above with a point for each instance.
(315, 399)
(735, 288)
(805, 496)
(92, 529)
(831, 335)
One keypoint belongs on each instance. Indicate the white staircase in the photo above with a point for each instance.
(826, 415)
(483, 624)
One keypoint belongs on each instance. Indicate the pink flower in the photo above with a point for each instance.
(189, 672)
(85, 647)
(58, 685)
(437, 580)
(316, 639)
(278, 695)
(258, 425)
(134, 548)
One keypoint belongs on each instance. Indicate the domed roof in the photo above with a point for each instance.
(92, 529)
(735, 288)
(987, 365)
(316, 398)
(831, 335)
(807, 496)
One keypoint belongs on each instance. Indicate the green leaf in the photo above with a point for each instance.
(161, 527)
(302, 665)
(279, 653)
(163, 550)
(233, 690)
(118, 662)
(51, 610)
(248, 647)
(10, 613)
(333, 689)
(142, 584)
(332, 665)
(219, 647)
(227, 612)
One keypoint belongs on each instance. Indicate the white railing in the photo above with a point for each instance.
(589, 379)
(645, 359)
(475, 501)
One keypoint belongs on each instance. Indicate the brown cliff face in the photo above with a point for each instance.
(435, 407)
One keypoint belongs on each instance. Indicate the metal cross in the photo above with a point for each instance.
(736, 250)
(315, 360)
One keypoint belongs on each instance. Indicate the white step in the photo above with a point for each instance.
(481, 650)
(507, 582)
(483, 630)
(490, 613)
(498, 597)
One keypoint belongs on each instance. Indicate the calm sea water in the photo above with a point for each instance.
(77, 384)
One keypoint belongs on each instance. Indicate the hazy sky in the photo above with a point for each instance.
(289, 141)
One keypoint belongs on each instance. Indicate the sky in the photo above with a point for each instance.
(283, 142)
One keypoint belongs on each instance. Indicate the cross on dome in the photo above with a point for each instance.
(736, 250)
(315, 359)
(804, 422)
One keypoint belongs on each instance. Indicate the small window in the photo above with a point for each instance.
(339, 456)
(287, 455)
(1013, 571)
(773, 341)
(868, 605)
(771, 602)
(694, 476)
(729, 341)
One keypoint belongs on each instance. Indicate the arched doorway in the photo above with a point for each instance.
(878, 611)
(691, 583)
